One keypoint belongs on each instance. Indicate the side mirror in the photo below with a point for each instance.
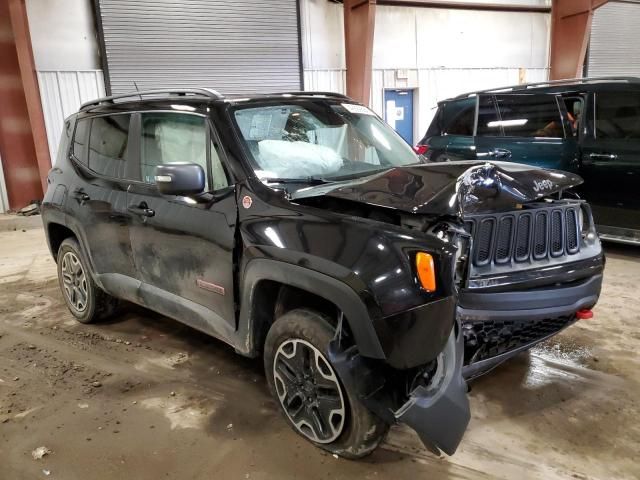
(180, 179)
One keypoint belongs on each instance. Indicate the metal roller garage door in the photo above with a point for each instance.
(233, 46)
(614, 48)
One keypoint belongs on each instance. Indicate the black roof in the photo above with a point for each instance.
(555, 86)
(198, 94)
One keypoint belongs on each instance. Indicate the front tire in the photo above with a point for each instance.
(85, 300)
(309, 392)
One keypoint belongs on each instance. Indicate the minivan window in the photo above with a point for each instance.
(618, 115)
(80, 137)
(529, 116)
(109, 145)
(488, 121)
(172, 138)
(459, 117)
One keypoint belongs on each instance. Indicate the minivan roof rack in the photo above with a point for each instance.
(182, 92)
(550, 83)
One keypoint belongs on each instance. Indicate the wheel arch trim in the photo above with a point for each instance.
(331, 289)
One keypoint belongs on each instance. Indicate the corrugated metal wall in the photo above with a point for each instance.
(614, 48)
(238, 46)
(62, 93)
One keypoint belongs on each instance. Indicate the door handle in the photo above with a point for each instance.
(143, 210)
(603, 156)
(81, 196)
(500, 153)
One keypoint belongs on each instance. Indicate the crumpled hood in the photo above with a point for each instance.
(451, 188)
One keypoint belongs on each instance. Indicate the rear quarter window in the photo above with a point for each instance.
(109, 145)
(459, 117)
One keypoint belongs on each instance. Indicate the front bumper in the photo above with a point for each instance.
(439, 413)
(496, 326)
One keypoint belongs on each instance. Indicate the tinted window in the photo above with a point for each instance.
(177, 138)
(529, 116)
(459, 117)
(108, 145)
(79, 148)
(435, 128)
(618, 115)
(488, 122)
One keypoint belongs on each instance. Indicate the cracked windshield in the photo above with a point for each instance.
(319, 141)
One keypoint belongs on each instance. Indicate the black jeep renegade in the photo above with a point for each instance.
(301, 228)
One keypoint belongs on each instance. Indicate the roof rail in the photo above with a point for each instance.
(526, 86)
(311, 92)
(203, 92)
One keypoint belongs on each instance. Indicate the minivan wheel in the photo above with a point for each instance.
(309, 392)
(84, 299)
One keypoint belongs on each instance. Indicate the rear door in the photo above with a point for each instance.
(183, 246)
(525, 128)
(103, 152)
(610, 163)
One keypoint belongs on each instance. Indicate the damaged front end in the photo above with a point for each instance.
(432, 399)
(522, 258)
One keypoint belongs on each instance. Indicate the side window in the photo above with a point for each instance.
(459, 117)
(172, 138)
(80, 138)
(530, 116)
(618, 115)
(488, 121)
(109, 145)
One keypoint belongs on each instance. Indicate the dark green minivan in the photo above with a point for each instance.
(589, 126)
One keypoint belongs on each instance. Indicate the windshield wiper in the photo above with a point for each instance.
(306, 180)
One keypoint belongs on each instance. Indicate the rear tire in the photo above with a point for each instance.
(306, 387)
(85, 300)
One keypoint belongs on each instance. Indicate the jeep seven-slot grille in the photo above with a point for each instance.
(524, 235)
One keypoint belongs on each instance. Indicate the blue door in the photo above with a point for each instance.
(398, 112)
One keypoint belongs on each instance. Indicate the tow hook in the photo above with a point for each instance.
(584, 314)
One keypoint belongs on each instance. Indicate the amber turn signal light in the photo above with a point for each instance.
(426, 271)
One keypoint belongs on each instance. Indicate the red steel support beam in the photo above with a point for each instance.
(359, 24)
(17, 144)
(570, 32)
(20, 24)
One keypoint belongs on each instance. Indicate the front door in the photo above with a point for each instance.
(183, 246)
(525, 128)
(398, 112)
(610, 163)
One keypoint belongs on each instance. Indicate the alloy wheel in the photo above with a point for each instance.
(74, 281)
(309, 390)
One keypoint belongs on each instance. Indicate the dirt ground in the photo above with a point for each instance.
(143, 397)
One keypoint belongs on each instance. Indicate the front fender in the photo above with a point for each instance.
(334, 291)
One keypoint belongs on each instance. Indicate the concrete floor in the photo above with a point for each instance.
(144, 397)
